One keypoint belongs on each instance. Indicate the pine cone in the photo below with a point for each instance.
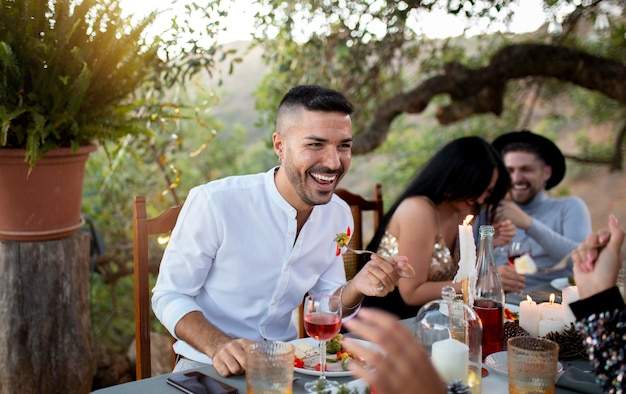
(512, 329)
(458, 387)
(570, 343)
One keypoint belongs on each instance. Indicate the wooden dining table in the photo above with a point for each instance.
(493, 383)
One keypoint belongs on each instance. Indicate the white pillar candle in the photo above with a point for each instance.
(450, 358)
(551, 310)
(569, 295)
(529, 316)
(466, 273)
(467, 247)
(546, 326)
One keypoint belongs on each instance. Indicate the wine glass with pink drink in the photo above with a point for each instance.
(322, 321)
(518, 249)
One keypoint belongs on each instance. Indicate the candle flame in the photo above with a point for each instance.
(528, 298)
(551, 298)
(468, 219)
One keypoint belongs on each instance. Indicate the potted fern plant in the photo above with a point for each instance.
(68, 69)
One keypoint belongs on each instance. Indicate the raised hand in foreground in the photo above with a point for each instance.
(405, 364)
(596, 268)
(600, 312)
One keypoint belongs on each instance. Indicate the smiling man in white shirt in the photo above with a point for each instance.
(246, 249)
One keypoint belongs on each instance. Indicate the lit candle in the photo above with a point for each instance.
(551, 310)
(546, 326)
(450, 358)
(551, 317)
(466, 273)
(570, 294)
(529, 316)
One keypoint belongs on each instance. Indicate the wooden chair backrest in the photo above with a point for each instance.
(143, 228)
(358, 205)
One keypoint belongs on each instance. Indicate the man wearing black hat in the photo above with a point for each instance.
(553, 226)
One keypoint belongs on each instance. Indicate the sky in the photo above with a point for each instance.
(528, 17)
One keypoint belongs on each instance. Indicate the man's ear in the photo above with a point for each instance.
(279, 145)
(547, 173)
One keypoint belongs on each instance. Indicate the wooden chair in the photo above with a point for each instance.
(360, 205)
(143, 228)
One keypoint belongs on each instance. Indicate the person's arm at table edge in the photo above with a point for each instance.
(350, 298)
(227, 353)
(197, 331)
(605, 301)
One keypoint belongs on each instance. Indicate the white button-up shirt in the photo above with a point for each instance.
(234, 256)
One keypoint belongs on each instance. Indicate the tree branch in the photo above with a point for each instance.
(481, 90)
(587, 159)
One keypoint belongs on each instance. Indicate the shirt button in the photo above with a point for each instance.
(273, 302)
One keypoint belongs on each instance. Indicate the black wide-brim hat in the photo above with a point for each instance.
(548, 151)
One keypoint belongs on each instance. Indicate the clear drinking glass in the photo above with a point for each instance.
(322, 321)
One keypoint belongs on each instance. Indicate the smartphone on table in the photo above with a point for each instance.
(199, 383)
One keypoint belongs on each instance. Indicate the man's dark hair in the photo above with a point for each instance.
(524, 147)
(316, 98)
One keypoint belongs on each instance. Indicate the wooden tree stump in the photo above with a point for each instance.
(45, 344)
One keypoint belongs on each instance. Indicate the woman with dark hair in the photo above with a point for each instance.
(422, 224)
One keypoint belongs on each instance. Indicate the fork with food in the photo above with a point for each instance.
(342, 240)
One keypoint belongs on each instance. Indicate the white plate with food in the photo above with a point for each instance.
(498, 362)
(560, 283)
(307, 349)
(511, 312)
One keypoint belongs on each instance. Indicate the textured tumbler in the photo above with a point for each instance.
(532, 365)
(269, 367)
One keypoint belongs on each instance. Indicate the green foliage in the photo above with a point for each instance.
(113, 320)
(72, 70)
(71, 67)
(596, 106)
(590, 149)
(369, 51)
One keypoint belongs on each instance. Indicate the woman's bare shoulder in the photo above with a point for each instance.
(419, 206)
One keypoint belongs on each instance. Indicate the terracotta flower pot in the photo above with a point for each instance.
(46, 204)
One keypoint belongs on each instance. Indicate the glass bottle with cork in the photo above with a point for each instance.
(489, 300)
